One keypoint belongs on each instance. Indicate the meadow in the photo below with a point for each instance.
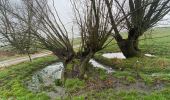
(139, 78)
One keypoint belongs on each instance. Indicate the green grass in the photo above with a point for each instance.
(157, 46)
(149, 43)
(131, 70)
(12, 80)
(73, 85)
(128, 72)
(110, 94)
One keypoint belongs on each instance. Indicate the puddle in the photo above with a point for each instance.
(118, 55)
(160, 74)
(149, 55)
(98, 65)
(44, 80)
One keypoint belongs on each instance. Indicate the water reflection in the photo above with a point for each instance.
(44, 80)
(99, 65)
(118, 55)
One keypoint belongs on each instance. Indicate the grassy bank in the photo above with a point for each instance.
(141, 78)
(12, 80)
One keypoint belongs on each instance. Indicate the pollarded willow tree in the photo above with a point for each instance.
(93, 25)
(137, 16)
(92, 19)
(51, 32)
(43, 22)
(93, 28)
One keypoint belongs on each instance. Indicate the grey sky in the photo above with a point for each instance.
(65, 10)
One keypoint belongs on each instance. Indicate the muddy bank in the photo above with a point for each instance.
(47, 79)
(119, 85)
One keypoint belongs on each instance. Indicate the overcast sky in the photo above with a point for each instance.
(64, 9)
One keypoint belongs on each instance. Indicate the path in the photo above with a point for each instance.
(15, 61)
(10, 62)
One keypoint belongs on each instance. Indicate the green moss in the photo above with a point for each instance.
(73, 85)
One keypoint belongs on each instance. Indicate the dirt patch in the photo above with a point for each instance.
(119, 84)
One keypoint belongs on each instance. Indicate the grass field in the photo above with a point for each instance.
(141, 78)
(133, 73)
(11, 80)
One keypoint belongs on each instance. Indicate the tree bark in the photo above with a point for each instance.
(129, 47)
(83, 64)
(136, 44)
(64, 74)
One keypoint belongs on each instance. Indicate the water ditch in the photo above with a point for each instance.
(45, 78)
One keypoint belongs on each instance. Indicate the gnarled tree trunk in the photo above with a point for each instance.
(64, 74)
(83, 64)
(129, 48)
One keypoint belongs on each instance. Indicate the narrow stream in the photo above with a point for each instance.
(160, 75)
(44, 80)
(118, 55)
(99, 65)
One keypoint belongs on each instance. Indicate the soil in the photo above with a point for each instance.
(119, 84)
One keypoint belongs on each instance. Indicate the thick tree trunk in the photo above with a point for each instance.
(83, 65)
(64, 74)
(66, 57)
(136, 44)
(129, 47)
